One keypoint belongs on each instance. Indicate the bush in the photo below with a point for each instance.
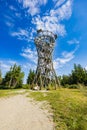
(26, 86)
(66, 86)
(3, 87)
(74, 86)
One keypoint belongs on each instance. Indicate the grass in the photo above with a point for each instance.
(69, 107)
(9, 92)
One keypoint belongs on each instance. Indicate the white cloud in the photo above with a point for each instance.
(32, 6)
(29, 66)
(9, 24)
(30, 54)
(12, 8)
(73, 41)
(6, 64)
(65, 10)
(21, 32)
(18, 15)
(9, 18)
(86, 67)
(49, 23)
(52, 20)
(33, 11)
(59, 2)
(9, 21)
(24, 34)
(12, 62)
(66, 57)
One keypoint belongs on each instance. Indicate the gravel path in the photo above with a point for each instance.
(19, 113)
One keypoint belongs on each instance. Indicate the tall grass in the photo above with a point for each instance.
(69, 108)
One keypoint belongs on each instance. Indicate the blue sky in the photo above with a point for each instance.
(19, 21)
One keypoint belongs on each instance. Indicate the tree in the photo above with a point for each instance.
(78, 74)
(31, 76)
(14, 77)
(64, 80)
(0, 77)
(85, 77)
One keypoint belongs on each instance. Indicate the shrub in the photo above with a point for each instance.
(66, 86)
(74, 86)
(26, 86)
(4, 87)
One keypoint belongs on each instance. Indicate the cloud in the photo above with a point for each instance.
(66, 57)
(9, 21)
(59, 2)
(24, 34)
(30, 54)
(73, 41)
(32, 6)
(9, 18)
(9, 24)
(15, 10)
(52, 20)
(21, 34)
(63, 12)
(18, 15)
(6, 64)
(29, 66)
(49, 23)
(12, 8)
(86, 67)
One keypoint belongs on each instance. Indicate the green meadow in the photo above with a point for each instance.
(69, 107)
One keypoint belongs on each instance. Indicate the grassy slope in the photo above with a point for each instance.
(69, 107)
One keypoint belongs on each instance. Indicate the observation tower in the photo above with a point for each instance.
(45, 73)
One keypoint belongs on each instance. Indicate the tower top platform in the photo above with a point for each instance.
(45, 35)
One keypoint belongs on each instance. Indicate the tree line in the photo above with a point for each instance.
(14, 78)
(78, 76)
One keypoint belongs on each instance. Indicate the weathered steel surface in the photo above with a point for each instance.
(45, 73)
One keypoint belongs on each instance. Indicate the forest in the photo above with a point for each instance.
(14, 78)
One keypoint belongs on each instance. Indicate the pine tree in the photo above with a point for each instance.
(0, 77)
(14, 77)
(31, 76)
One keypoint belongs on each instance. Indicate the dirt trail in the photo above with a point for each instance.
(19, 113)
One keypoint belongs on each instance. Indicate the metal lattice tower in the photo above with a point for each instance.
(45, 73)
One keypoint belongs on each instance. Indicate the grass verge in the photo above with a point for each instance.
(69, 108)
(9, 92)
